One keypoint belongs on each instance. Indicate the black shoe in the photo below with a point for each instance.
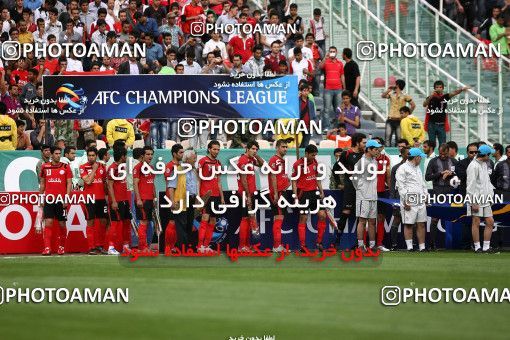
(302, 250)
(320, 247)
(410, 250)
(101, 251)
(479, 251)
(394, 247)
(489, 251)
(433, 248)
(93, 251)
(424, 250)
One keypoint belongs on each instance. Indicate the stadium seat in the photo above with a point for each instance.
(327, 144)
(138, 144)
(169, 143)
(264, 144)
(100, 144)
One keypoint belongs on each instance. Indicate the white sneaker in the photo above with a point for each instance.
(383, 248)
(112, 251)
(201, 249)
(208, 250)
(255, 232)
(245, 250)
(278, 249)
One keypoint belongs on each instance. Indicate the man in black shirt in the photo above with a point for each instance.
(352, 75)
(349, 158)
(436, 105)
(403, 147)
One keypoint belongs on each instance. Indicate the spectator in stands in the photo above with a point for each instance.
(306, 110)
(215, 44)
(29, 90)
(397, 99)
(316, 27)
(411, 127)
(40, 135)
(498, 34)
(255, 65)
(349, 114)
(156, 11)
(279, 7)
(274, 58)
(10, 98)
(340, 136)
(171, 28)
(192, 47)
(190, 65)
(192, 12)
(499, 154)
(25, 36)
(158, 133)
(241, 44)
(466, 14)
(297, 25)
(300, 42)
(318, 55)
(334, 82)
(154, 51)
(8, 130)
(270, 34)
(428, 149)
(483, 29)
(120, 129)
(215, 65)
(352, 77)
(436, 120)
(132, 66)
(70, 35)
(23, 138)
(300, 66)
(64, 130)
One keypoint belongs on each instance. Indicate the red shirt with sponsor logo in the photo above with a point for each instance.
(95, 188)
(119, 186)
(381, 178)
(55, 178)
(205, 166)
(146, 182)
(306, 181)
(247, 163)
(282, 180)
(189, 11)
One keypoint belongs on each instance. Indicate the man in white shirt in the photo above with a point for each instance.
(270, 33)
(53, 26)
(74, 64)
(300, 66)
(307, 52)
(191, 66)
(215, 44)
(99, 36)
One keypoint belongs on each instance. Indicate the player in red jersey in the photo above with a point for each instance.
(278, 183)
(56, 180)
(93, 175)
(209, 187)
(305, 191)
(145, 194)
(171, 185)
(119, 197)
(247, 185)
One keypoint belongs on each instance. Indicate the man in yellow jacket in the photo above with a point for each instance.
(8, 130)
(411, 127)
(120, 129)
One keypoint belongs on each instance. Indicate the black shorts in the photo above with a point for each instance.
(381, 206)
(312, 198)
(145, 213)
(123, 212)
(98, 209)
(55, 211)
(275, 208)
(349, 198)
(213, 200)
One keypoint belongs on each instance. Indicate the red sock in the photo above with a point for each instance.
(142, 236)
(277, 233)
(90, 237)
(170, 234)
(209, 234)
(47, 236)
(243, 231)
(380, 232)
(202, 232)
(126, 232)
(112, 234)
(302, 234)
(100, 235)
(321, 228)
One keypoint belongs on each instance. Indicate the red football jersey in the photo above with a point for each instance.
(95, 188)
(169, 170)
(282, 180)
(146, 182)
(55, 178)
(308, 181)
(191, 11)
(119, 186)
(381, 178)
(247, 163)
(205, 166)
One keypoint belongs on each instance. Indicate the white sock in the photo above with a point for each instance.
(360, 243)
(486, 245)
(477, 246)
(409, 244)
(422, 246)
(372, 244)
(111, 247)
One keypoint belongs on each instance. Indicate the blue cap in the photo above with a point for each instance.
(484, 149)
(416, 152)
(372, 143)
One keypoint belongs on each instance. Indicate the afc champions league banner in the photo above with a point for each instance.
(169, 96)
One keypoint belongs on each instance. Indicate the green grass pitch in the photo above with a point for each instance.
(198, 298)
